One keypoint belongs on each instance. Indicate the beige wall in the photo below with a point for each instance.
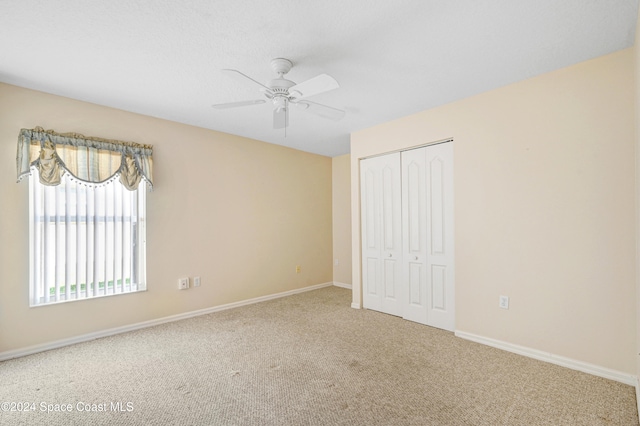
(636, 51)
(544, 208)
(341, 186)
(237, 212)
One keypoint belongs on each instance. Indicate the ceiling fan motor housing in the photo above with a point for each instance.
(280, 86)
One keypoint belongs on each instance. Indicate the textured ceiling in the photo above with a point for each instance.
(391, 58)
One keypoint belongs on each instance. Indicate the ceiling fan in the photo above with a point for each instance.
(282, 93)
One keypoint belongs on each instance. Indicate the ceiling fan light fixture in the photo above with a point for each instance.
(280, 102)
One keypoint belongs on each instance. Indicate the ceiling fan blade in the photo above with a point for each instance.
(318, 84)
(321, 110)
(280, 118)
(239, 104)
(241, 77)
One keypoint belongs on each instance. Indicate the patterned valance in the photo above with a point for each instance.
(88, 159)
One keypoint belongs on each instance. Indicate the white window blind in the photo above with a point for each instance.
(85, 240)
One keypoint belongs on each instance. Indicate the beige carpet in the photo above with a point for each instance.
(307, 359)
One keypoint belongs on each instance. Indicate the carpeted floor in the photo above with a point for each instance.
(307, 359)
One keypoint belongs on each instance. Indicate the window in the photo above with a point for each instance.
(85, 240)
(87, 215)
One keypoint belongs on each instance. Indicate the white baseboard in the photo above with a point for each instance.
(112, 331)
(342, 285)
(553, 359)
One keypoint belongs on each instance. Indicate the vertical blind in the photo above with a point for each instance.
(87, 234)
(86, 241)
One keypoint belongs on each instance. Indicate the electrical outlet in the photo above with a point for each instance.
(196, 281)
(183, 283)
(298, 269)
(504, 302)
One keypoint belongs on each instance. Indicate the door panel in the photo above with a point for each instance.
(438, 287)
(369, 209)
(427, 208)
(380, 183)
(390, 281)
(416, 297)
(436, 204)
(440, 258)
(414, 233)
(372, 276)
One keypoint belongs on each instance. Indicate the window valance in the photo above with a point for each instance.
(88, 159)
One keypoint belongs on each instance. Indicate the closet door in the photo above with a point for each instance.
(414, 233)
(427, 229)
(440, 254)
(381, 233)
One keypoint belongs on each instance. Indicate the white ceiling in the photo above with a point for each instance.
(391, 58)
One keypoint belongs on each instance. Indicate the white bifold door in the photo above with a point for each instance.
(382, 234)
(407, 234)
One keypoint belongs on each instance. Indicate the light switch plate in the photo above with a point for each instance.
(504, 302)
